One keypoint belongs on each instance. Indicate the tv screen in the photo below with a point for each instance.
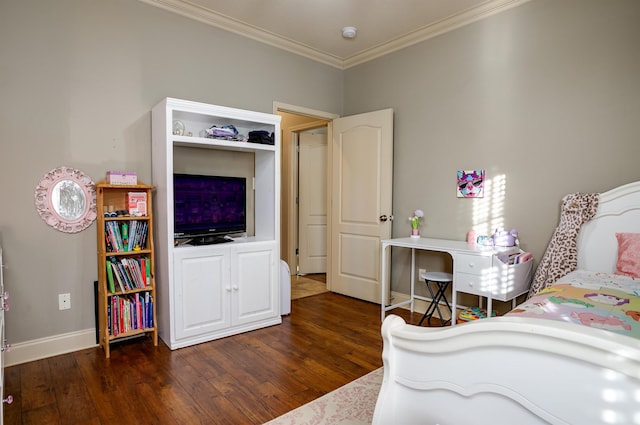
(208, 205)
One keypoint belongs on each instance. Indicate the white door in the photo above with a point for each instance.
(312, 206)
(361, 196)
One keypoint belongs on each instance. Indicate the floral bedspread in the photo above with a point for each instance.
(600, 300)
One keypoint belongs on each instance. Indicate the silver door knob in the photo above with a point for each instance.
(383, 218)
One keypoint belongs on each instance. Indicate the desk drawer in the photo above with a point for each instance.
(475, 284)
(473, 264)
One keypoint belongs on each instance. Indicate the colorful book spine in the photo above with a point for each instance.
(127, 313)
(110, 281)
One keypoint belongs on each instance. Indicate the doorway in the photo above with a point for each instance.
(295, 124)
(312, 200)
(358, 195)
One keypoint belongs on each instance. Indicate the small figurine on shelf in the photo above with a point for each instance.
(415, 221)
(471, 236)
(502, 237)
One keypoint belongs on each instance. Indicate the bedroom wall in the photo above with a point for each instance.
(546, 95)
(78, 79)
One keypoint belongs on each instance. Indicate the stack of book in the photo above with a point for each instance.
(122, 236)
(128, 273)
(128, 313)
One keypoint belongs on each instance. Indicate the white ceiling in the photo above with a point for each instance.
(312, 28)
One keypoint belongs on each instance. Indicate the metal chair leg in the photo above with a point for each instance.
(434, 307)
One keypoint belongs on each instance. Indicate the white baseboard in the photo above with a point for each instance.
(37, 349)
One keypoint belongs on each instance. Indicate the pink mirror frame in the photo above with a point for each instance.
(65, 199)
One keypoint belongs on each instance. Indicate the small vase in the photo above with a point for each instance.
(415, 233)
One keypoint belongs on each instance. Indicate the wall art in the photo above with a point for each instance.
(470, 184)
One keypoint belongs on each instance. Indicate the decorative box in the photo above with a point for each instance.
(122, 177)
(137, 202)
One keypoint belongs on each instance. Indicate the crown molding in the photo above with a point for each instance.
(189, 10)
(209, 17)
(451, 23)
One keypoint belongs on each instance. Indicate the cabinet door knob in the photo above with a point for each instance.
(228, 288)
(8, 400)
(5, 295)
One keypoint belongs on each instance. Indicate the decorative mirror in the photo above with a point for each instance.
(66, 200)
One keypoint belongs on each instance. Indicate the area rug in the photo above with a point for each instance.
(351, 404)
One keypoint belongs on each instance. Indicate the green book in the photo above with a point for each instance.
(147, 264)
(112, 287)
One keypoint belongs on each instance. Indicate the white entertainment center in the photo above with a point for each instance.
(207, 292)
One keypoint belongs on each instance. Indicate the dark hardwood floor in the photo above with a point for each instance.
(326, 342)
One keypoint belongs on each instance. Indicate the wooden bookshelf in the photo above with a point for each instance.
(126, 278)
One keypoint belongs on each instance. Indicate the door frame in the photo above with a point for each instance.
(325, 119)
(294, 205)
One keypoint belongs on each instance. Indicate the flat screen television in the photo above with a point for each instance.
(208, 206)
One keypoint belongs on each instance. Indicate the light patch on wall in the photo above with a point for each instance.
(488, 213)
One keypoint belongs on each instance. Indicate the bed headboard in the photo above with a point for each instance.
(618, 211)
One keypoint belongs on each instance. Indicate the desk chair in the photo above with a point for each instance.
(442, 281)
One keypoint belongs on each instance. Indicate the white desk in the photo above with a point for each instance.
(476, 271)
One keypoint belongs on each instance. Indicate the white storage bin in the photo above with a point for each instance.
(511, 280)
(285, 288)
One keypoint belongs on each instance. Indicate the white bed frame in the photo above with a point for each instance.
(514, 370)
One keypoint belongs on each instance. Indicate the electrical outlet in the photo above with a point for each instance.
(420, 271)
(64, 301)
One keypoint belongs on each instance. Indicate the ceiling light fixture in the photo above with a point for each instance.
(349, 32)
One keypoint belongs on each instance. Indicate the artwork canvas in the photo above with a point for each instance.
(470, 184)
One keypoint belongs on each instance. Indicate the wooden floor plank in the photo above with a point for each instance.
(327, 341)
(72, 397)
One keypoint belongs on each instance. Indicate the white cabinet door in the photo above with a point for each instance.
(254, 283)
(201, 291)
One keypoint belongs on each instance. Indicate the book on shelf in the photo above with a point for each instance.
(138, 237)
(147, 264)
(117, 275)
(108, 246)
(127, 273)
(133, 228)
(110, 280)
(114, 238)
(143, 271)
